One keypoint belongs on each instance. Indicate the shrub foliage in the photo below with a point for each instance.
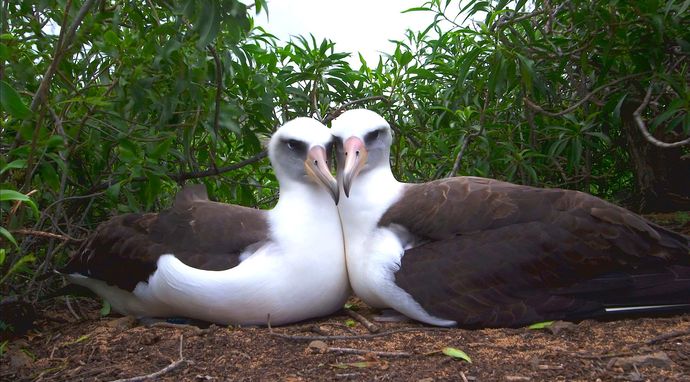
(109, 106)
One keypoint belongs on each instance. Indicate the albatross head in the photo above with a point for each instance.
(299, 152)
(363, 140)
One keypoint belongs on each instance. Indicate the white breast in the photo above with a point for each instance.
(373, 253)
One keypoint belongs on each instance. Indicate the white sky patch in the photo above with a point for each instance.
(364, 26)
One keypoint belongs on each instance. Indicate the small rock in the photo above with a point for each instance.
(425, 380)
(319, 346)
(150, 338)
(561, 326)
(19, 359)
(658, 359)
(122, 323)
(293, 378)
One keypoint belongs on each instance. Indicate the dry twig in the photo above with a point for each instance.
(364, 351)
(667, 336)
(48, 235)
(160, 372)
(196, 330)
(371, 327)
(359, 337)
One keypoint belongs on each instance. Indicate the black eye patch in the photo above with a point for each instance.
(372, 136)
(295, 145)
(329, 149)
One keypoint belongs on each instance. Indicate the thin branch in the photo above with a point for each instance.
(504, 22)
(219, 92)
(577, 104)
(195, 329)
(469, 138)
(189, 175)
(667, 336)
(314, 97)
(71, 310)
(157, 374)
(637, 115)
(371, 327)
(360, 337)
(60, 50)
(71, 198)
(340, 350)
(48, 235)
(335, 113)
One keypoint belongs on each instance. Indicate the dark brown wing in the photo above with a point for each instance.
(203, 234)
(508, 255)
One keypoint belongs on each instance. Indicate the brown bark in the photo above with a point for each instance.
(662, 176)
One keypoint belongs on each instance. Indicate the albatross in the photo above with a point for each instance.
(478, 252)
(225, 263)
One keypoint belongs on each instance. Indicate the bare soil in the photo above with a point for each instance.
(94, 348)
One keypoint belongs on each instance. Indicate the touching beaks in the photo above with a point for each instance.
(316, 166)
(355, 159)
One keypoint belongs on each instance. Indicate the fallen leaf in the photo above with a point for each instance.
(540, 325)
(456, 353)
(105, 309)
(80, 339)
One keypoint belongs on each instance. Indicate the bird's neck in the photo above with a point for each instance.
(371, 194)
(305, 221)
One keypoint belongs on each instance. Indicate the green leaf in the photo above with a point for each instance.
(15, 164)
(114, 190)
(417, 9)
(7, 235)
(80, 339)
(111, 38)
(13, 195)
(6, 195)
(208, 23)
(456, 353)
(540, 325)
(11, 102)
(3, 253)
(4, 52)
(105, 309)
(17, 266)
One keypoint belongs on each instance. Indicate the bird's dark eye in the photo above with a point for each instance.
(292, 144)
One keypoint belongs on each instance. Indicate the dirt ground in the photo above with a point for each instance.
(341, 347)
